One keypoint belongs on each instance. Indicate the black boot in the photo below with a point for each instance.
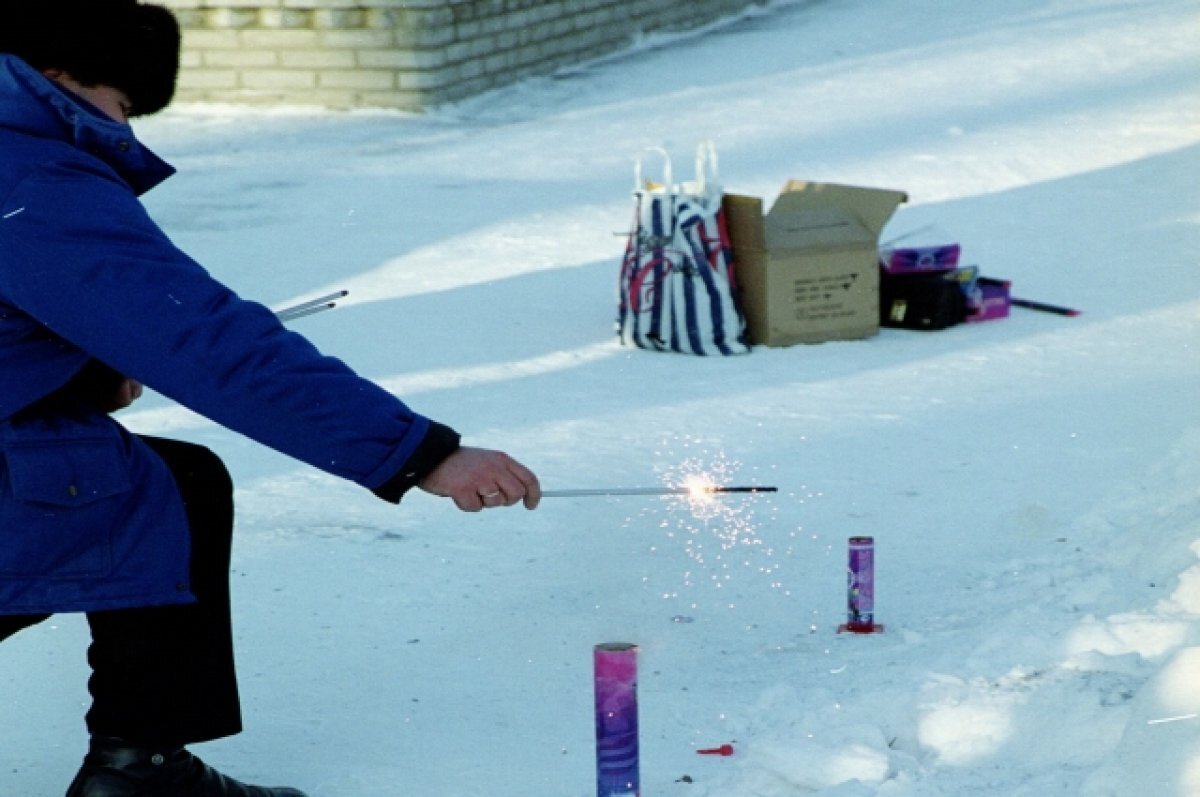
(113, 768)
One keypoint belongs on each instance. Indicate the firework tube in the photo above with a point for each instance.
(600, 491)
(615, 666)
(860, 586)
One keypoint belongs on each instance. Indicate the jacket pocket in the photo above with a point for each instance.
(60, 503)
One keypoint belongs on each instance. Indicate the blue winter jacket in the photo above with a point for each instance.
(89, 516)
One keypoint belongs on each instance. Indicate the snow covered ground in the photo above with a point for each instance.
(1033, 484)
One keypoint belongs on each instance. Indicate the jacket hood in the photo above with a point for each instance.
(34, 105)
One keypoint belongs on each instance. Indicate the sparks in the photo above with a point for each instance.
(699, 486)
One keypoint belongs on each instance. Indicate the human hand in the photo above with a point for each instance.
(478, 478)
(127, 392)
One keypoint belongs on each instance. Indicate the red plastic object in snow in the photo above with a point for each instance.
(725, 749)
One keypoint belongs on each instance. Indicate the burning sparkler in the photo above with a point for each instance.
(708, 514)
(697, 490)
(720, 536)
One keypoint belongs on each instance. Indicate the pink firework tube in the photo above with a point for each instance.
(616, 720)
(860, 585)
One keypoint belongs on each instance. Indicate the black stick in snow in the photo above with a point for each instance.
(1029, 304)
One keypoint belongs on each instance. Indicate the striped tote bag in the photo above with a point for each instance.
(677, 290)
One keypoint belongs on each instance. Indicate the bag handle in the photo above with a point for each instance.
(707, 185)
(708, 180)
(707, 173)
(639, 185)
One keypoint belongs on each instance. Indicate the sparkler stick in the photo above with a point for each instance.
(310, 307)
(294, 314)
(697, 491)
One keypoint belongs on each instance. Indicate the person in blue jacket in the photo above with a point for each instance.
(96, 301)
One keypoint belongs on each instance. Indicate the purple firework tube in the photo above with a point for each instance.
(616, 720)
(860, 585)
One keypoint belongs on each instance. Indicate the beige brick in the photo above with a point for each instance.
(537, 33)
(339, 18)
(412, 35)
(210, 39)
(290, 18)
(398, 100)
(420, 81)
(356, 39)
(198, 79)
(496, 25)
(416, 4)
(382, 18)
(279, 39)
(606, 17)
(183, 94)
(499, 62)
(190, 18)
(231, 18)
(433, 16)
(412, 60)
(470, 70)
(274, 97)
(544, 13)
(468, 30)
(214, 4)
(337, 99)
(320, 3)
(240, 59)
(362, 79)
(317, 59)
(467, 50)
(279, 79)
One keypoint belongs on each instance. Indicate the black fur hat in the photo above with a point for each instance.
(125, 44)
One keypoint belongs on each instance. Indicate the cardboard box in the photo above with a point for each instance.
(809, 269)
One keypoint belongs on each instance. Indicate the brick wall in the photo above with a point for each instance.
(407, 54)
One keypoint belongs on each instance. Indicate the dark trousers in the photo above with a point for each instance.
(164, 676)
